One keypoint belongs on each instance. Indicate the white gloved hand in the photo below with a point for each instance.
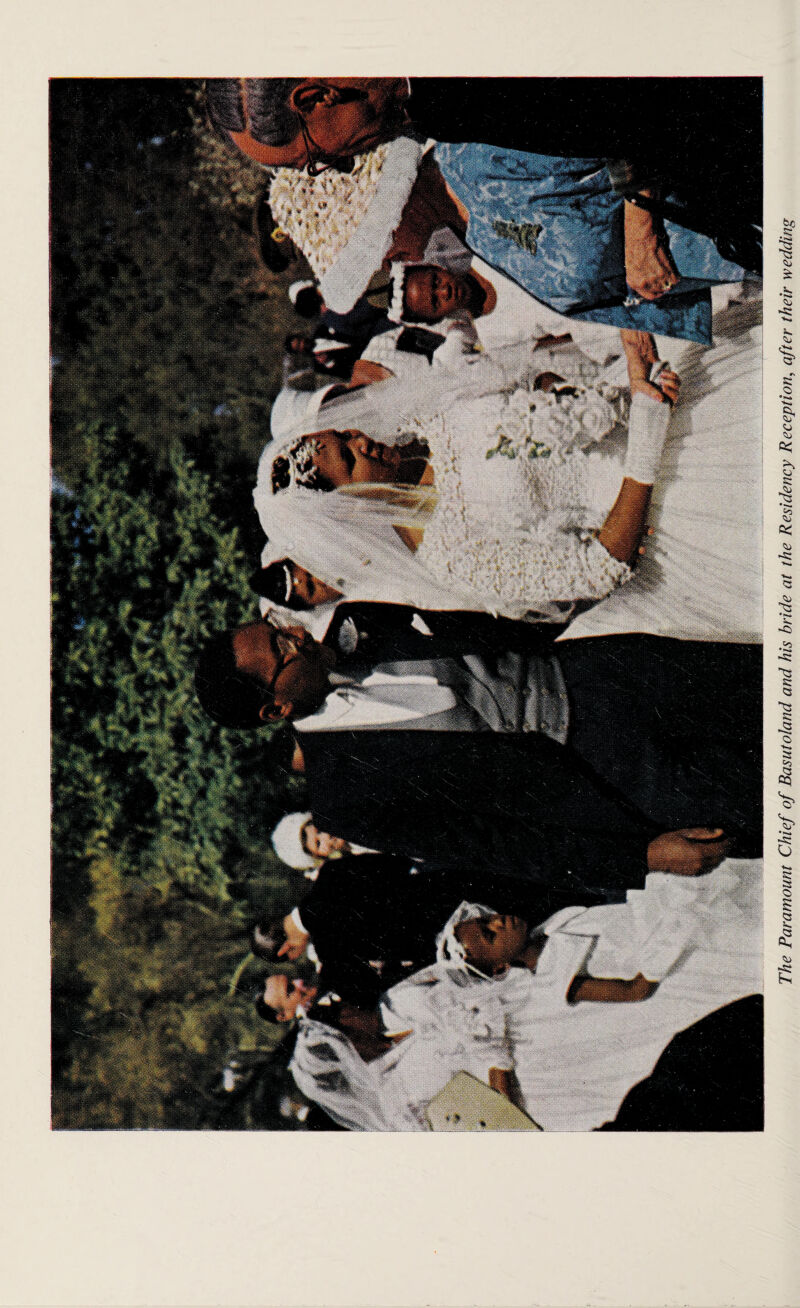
(647, 432)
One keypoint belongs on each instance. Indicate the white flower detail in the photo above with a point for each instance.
(555, 424)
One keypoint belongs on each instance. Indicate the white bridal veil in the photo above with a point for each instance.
(346, 538)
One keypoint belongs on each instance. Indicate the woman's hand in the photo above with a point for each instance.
(667, 390)
(649, 270)
(641, 354)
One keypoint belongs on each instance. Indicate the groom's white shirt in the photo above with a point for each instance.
(380, 699)
(515, 693)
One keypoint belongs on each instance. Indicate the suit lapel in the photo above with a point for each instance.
(387, 632)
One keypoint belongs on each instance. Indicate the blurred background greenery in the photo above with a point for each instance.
(165, 355)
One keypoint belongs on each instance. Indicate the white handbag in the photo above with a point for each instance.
(467, 1104)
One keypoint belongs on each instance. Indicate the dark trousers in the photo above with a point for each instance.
(710, 1077)
(675, 726)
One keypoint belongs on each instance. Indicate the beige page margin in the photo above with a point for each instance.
(153, 1218)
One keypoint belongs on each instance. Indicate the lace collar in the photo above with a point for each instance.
(344, 222)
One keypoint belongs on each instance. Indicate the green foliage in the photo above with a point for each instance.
(139, 580)
(164, 323)
(156, 1019)
(166, 344)
(223, 178)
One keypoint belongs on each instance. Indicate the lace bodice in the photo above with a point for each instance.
(525, 479)
(449, 1007)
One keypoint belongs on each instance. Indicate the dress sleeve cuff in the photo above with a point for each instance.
(606, 571)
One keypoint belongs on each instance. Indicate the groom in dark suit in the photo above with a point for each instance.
(464, 739)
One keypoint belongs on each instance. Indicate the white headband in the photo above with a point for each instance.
(397, 272)
(448, 948)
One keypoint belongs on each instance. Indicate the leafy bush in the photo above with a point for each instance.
(141, 575)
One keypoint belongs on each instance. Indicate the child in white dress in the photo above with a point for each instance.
(566, 1019)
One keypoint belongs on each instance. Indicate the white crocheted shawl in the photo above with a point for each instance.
(344, 222)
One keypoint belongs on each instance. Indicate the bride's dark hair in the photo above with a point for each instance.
(282, 477)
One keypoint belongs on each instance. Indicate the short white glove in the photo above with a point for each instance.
(647, 432)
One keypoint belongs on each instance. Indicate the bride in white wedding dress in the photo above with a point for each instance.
(512, 508)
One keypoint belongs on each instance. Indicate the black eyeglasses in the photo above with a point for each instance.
(316, 160)
(287, 646)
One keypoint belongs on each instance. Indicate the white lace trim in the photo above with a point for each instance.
(515, 576)
(344, 222)
(528, 538)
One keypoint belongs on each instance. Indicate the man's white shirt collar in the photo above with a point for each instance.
(324, 343)
(371, 703)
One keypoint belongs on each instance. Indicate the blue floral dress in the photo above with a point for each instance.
(555, 226)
